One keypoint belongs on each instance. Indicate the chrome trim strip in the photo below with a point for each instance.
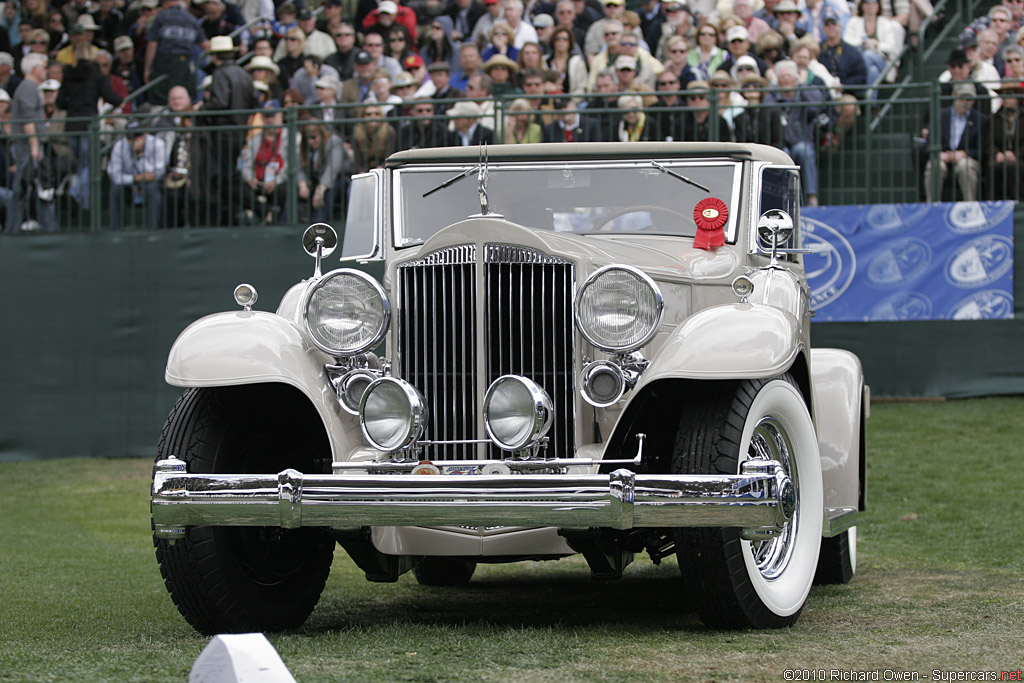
(621, 500)
(838, 520)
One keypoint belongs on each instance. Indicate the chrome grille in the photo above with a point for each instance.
(529, 330)
(526, 329)
(437, 343)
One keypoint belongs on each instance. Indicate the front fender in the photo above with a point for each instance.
(735, 341)
(243, 347)
(252, 347)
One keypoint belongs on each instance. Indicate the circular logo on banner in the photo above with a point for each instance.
(902, 262)
(894, 218)
(988, 304)
(979, 262)
(969, 218)
(831, 264)
(902, 306)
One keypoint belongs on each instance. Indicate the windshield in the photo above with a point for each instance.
(655, 198)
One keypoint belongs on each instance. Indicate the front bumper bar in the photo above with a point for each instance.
(762, 497)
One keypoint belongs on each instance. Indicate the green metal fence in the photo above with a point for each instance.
(882, 158)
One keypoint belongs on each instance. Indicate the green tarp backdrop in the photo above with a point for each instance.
(86, 321)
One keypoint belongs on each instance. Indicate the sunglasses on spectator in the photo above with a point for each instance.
(612, 33)
(343, 34)
(677, 50)
(629, 44)
(707, 34)
(397, 39)
(40, 42)
(745, 68)
(668, 82)
(696, 97)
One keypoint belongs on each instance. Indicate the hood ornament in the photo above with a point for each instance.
(481, 184)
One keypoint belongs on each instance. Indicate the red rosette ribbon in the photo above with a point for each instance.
(710, 215)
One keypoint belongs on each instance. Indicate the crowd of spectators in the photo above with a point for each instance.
(369, 78)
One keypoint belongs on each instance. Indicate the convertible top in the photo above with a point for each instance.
(591, 151)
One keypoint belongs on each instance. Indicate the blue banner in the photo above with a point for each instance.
(910, 261)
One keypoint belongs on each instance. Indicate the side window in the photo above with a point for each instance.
(780, 189)
(361, 233)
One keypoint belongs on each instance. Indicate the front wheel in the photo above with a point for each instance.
(733, 582)
(242, 579)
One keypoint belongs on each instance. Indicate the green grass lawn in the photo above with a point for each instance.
(940, 585)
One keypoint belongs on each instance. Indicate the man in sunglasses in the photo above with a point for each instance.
(599, 33)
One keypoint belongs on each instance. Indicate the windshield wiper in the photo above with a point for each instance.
(678, 176)
(452, 181)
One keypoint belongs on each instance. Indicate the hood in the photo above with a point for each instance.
(670, 259)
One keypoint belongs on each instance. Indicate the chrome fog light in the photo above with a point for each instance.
(392, 414)
(246, 296)
(743, 287)
(618, 309)
(603, 383)
(351, 389)
(517, 412)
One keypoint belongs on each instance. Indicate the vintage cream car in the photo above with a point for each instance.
(600, 349)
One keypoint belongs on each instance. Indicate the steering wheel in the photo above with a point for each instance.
(667, 216)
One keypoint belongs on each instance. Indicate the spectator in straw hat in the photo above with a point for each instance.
(501, 69)
(468, 131)
(171, 39)
(263, 70)
(82, 33)
(230, 91)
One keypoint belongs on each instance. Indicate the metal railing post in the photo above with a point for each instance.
(935, 141)
(291, 122)
(95, 188)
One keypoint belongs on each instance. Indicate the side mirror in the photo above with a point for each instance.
(319, 240)
(775, 228)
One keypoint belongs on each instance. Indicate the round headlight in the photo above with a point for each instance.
(517, 412)
(392, 414)
(618, 309)
(351, 389)
(346, 312)
(603, 383)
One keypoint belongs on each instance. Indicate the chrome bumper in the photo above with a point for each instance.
(761, 498)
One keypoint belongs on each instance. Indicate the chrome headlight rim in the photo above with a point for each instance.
(541, 413)
(416, 418)
(345, 384)
(591, 281)
(586, 380)
(372, 342)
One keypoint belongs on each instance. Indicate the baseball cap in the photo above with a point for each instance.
(829, 15)
(412, 62)
(543, 21)
(387, 7)
(50, 84)
(736, 33)
(363, 57)
(122, 42)
(626, 62)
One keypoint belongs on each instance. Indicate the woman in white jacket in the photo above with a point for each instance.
(878, 38)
